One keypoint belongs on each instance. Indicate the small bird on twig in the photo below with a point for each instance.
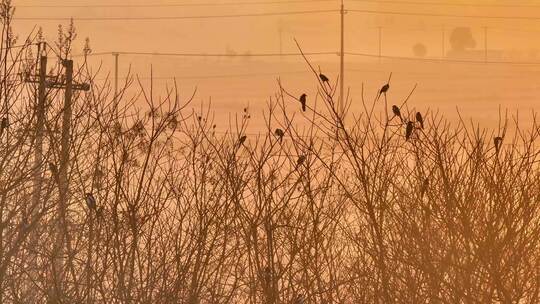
(300, 160)
(303, 101)
(408, 130)
(3, 125)
(420, 119)
(241, 140)
(498, 142)
(323, 77)
(54, 171)
(90, 201)
(397, 112)
(385, 87)
(279, 133)
(424, 187)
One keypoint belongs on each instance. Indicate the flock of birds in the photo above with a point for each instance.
(410, 127)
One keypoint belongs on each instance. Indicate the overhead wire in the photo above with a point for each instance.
(232, 3)
(286, 13)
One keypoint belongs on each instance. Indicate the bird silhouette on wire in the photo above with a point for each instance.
(397, 112)
(420, 119)
(409, 130)
(279, 133)
(91, 201)
(323, 78)
(303, 101)
(497, 141)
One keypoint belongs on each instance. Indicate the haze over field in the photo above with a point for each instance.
(234, 82)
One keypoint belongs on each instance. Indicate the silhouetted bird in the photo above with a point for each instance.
(303, 101)
(397, 112)
(383, 90)
(409, 130)
(424, 187)
(498, 142)
(3, 125)
(90, 201)
(54, 171)
(279, 133)
(323, 78)
(420, 119)
(300, 160)
(241, 140)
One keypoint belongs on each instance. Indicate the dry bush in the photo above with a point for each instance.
(342, 209)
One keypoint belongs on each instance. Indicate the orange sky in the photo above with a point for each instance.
(478, 89)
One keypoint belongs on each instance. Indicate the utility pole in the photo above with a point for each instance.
(38, 159)
(485, 44)
(280, 33)
(116, 76)
(63, 183)
(443, 43)
(380, 43)
(341, 107)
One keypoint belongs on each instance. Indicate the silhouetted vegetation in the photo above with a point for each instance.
(326, 206)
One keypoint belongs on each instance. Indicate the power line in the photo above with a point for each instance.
(168, 5)
(446, 3)
(443, 15)
(177, 17)
(436, 60)
(210, 55)
(445, 60)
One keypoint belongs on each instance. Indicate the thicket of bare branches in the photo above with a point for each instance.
(333, 208)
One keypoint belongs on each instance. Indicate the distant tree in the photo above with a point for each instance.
(462, 39)
(420, 50)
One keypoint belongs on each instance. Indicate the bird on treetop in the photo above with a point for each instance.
(323, 77)
(279, 133)
(409, 130)
(90, 201)
(303, 101)
(397, 112)
(384, 89)
(420, 119)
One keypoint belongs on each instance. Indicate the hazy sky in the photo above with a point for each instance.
(231, 83)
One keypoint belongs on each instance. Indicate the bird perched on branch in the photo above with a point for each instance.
(3, 125)
(397, 112)
(303, 101)
(420, 119)
(300, 160)
(54, 172)
(383, 90)
(279, 133)
(498, 143)
(424, 187)
(409, 130)
(90, 201)
(241, 140)
(323, 78)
